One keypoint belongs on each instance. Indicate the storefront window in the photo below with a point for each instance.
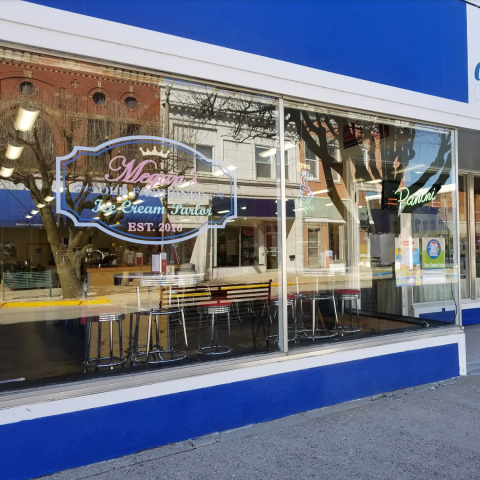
(373, 247)
(135, 234)
(476, 193)
(142, 222)
(463, 232)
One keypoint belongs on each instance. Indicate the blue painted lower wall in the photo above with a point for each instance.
(37, 447)
(470, 316)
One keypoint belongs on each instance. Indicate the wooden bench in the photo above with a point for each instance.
(27, 280)
(250, 300)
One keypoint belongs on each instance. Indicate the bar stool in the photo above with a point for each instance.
(292, 328)
(214, 309)
(101, 317)
(138, 308)
(350, 295)
(152, 349)
(315, 298)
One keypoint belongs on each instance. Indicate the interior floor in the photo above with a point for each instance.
(53, 351)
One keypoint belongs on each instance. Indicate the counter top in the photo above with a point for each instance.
(120, 268)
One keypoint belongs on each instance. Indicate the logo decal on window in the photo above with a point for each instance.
(145, 189)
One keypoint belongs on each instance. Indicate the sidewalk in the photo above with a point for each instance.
(419, 433)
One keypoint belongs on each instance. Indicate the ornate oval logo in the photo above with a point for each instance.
(145, 189)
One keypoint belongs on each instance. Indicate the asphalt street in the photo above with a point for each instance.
(427, 432)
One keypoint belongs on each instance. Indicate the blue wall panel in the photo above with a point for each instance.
(41, 446)
(418, 45)
(470, 316)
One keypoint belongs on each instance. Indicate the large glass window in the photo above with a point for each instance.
(142, 222)
(372, 246)
(134, 233)
(463, 236)
(476, 194)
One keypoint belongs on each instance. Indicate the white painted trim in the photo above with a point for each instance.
(470, 304)
(48, 28)
(293, 363)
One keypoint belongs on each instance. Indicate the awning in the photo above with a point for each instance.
(323, 208)
(15, 206)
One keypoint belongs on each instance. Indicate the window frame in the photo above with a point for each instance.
(204, 166)
(269, 163)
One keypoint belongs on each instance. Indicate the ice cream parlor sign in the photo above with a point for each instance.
(145, 189)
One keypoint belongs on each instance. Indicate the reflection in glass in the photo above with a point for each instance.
(217, 297)
(463, 235)
(373, 199)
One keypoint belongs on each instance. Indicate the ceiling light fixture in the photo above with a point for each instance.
(6, 172)
(25, 120)
(13, 153)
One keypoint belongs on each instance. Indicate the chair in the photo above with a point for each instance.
(350, 295)
(100, 317)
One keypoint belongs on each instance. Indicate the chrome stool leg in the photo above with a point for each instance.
(99, 346)
(110, 360)
(350, 296)
(214, 347)
(154, 351)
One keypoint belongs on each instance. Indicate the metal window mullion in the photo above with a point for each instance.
(470, 214)
(456, 224)
(283, 314)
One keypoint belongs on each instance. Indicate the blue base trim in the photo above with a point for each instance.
(447, 316)
(46, 445)
(470, 316)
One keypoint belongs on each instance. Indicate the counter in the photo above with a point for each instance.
(105, 276)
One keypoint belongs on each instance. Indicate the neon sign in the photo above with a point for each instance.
(147, 192)
(412, 200)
